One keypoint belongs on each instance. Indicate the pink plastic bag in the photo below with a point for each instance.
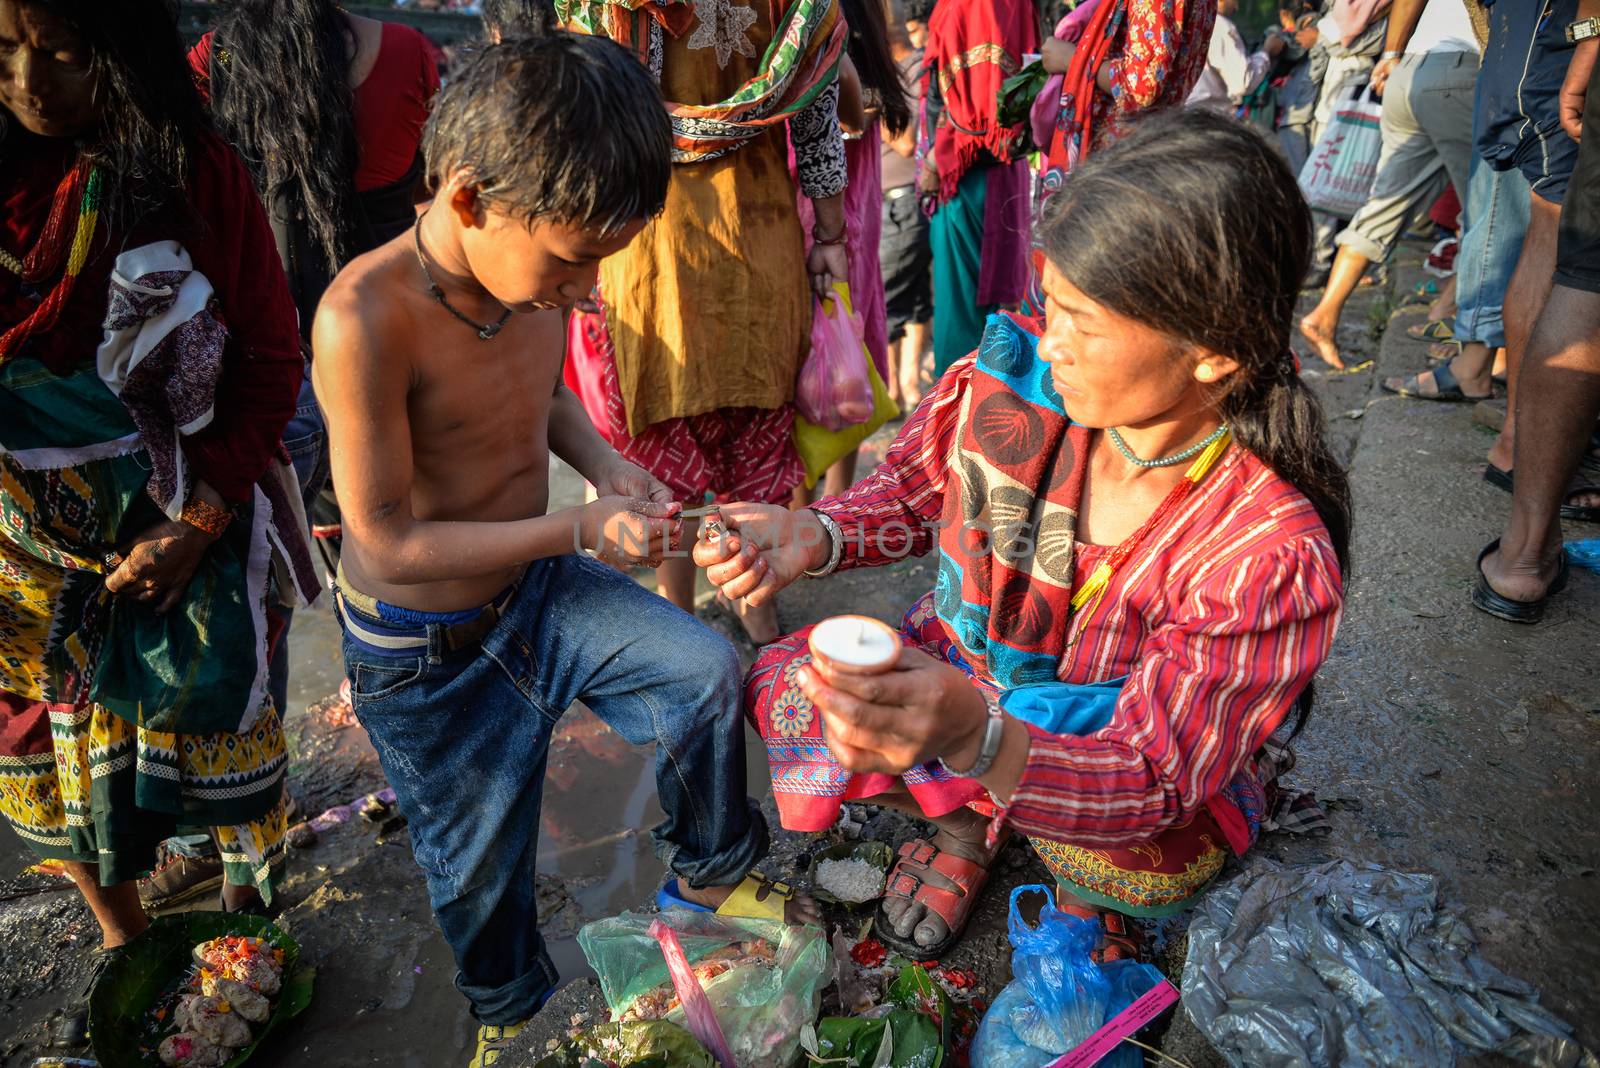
(697, 1011)
(834, 391)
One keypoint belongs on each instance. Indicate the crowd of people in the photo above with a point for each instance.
(298, 280)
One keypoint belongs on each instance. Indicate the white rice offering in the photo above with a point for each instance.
(853, 881)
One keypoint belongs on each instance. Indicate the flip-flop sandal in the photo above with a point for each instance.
(917, 858)
(1485, 599)
(1121, 940)
(756, 898)
(1432, 330)
(1448, 388)
(1501, 479)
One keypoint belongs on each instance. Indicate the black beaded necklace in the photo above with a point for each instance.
(486, 331)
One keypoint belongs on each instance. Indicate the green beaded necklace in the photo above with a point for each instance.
(1165, 461)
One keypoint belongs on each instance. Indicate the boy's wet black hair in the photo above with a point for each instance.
(562, 127)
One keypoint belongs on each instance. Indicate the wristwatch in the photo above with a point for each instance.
(1391, 55)
(1583, 30)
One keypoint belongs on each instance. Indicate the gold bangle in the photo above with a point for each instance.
(206, 517)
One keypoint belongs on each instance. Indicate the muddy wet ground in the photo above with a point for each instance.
(1443, 741)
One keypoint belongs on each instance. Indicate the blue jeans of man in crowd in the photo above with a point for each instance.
(1495, 213)
(463, 737)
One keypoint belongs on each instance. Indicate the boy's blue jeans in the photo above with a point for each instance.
(463, 738)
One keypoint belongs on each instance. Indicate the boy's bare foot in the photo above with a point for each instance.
(1320, 335)
(798, 910)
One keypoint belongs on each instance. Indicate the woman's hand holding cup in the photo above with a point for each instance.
(761, 549)
(892, 721)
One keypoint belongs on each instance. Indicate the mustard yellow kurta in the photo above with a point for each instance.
(709, 307)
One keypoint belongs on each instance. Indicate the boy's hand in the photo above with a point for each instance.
(766, 547)
(628, 531)
(626, 479)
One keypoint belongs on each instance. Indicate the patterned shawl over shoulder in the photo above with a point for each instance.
(800, 62)
(1004, 591)
(974, 46)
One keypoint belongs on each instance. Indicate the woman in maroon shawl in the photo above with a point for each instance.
(104, 156)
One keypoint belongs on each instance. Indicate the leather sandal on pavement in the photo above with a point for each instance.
(909, 879)
(1123, 939)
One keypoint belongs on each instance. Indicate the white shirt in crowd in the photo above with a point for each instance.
(1444, 27)
(1231, 72)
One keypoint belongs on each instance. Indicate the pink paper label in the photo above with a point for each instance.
(1154, 1002)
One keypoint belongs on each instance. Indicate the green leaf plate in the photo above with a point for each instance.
(878, 854)
(639, 1044)
(142, 972)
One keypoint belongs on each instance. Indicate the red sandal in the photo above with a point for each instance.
(907, 879)
(1122, 940)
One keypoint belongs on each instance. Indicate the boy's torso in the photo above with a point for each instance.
(479, 421)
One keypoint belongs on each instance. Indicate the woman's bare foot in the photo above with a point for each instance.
(961, 834)
(798, 910)
(1320, 335)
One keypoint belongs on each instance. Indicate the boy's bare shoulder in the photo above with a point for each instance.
(367, 308)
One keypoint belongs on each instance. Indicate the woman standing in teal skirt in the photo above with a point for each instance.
(979, 228)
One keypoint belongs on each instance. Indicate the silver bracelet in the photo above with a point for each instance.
(836, 537)
(993, 731)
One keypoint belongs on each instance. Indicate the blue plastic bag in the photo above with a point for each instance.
(1585, 553)
(1059, 996)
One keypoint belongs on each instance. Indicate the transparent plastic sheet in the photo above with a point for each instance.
(1348, 965)
(1059, 996)
(761, 1002)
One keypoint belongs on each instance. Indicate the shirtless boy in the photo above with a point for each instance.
(470, 620)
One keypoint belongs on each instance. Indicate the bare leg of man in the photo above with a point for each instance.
(1526, 294)
(1321, 324)
(1560, 403)
(915, 347)
(1443, 307)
